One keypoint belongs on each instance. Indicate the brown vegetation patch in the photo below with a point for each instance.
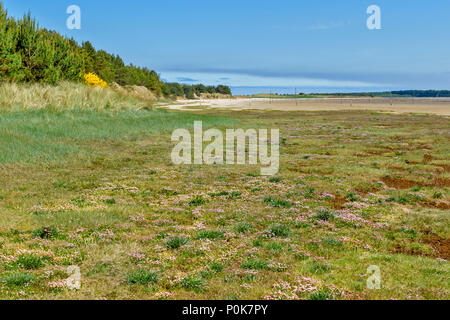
(338, 202)
(423, 146)
(440, 182)
(364, 189)
(440, 245)
(376, 152)
(361, 155)
(399, 183)
(397, 168)
(446, 167)
(400, 249)
(442, 205)
(427, 158)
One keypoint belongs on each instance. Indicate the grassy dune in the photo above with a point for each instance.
(96, 189)
(42, 124)
(66, 96)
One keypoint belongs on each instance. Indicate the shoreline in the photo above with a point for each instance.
(437, 106)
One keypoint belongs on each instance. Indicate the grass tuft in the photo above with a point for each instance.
(17, 279)
(280, 230)
(30, 262)
(176, 242)
(255, 264)
(45, 233)
(193, 283)
(324, 215)
(142, 277)
(210, 234)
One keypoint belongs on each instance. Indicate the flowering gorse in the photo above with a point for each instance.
(94, 80)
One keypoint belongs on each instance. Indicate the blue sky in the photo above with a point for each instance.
(313, 45)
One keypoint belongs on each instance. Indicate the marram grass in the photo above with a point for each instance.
(67, 95)
(46, 124)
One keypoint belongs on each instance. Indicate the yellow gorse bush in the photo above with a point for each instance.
(93, 80)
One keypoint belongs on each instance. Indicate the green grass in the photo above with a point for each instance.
(45, 232)
(244, 227)
(142, 277)
(17, 279)
(96, 189)
(277, 203)
(210, 234)
(279, 230)
(176, 242)
(318, 268)
(323, 294)
(193, 283)
(274, 246)
(30, 262)
(255, 264)
(324, 215)
(89, 218)
(45, 135)
(197, 201)
(216, 266)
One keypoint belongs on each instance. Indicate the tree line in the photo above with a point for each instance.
(190, 91)
(423, 93)
(29, 53)
(396, 94)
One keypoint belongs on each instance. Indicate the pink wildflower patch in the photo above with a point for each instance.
(138, 219)
(164, 295)
(299, 288)
(106, 237)
(59, 284)
(137, 256)
(351, 217)
(293, 291)
(327, 195)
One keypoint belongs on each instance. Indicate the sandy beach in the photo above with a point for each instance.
(396, 105)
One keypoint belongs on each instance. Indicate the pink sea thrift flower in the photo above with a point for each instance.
(137, 256)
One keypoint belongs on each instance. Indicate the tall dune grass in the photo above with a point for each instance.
(43, 124)
(67, 96)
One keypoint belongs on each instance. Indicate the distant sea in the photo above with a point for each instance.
(292, 90)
